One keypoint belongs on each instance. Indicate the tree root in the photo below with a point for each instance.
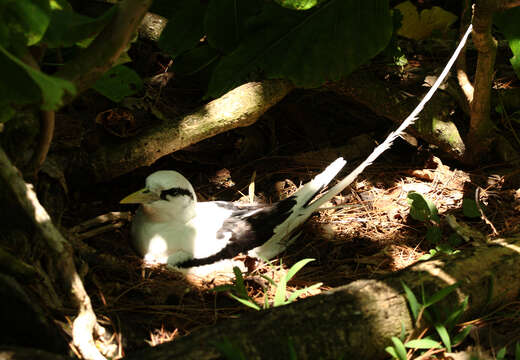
(85, 325)
(358, 320)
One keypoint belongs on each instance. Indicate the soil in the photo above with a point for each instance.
(365, 232)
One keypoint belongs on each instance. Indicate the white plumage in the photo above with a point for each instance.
(171, 227)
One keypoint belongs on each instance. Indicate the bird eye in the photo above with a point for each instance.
(176, 192)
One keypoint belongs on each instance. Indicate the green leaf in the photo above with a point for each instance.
(432, 253)
(501, 354)
(422, 344)
(517, 351)
(280, 294)
(297, 267)
(226, 348)
(24, 19)
(439, 295)
(507, 23)
(445, 337)
(246, 302)
(22, 84)
(391, 351)
(299, 292)
(306, 47)
(225, 22)
(422, 209)
(470, 208)
(185, 27)
(419, 26)
(6, 113)
(434, 234)
(118, 83)
(299, 4)
(241, 288)
(292, 350)
(415, 307)
(462, 335)
(455, 315)
(195, 60)
(68, 28)
(399, 348)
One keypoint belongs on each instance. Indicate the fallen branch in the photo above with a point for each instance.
(356, 321)
(85, 325)
(238, 108)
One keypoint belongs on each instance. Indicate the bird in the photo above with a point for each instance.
(171, 227)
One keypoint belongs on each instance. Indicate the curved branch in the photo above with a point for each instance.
(23, 194)
(239, 107)
(101, 55)
(47, 122)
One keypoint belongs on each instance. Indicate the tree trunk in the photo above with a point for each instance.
(356, 321)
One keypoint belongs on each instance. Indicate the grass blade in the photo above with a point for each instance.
(246, 302)
(441, 294)
(412, 300)
(299, 292)
(297, 267)
(445, 337)
(399, 348)
(423, 344)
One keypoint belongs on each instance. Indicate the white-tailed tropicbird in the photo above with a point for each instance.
(172, 228)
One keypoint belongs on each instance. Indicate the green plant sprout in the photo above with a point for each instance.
(443, 336)
(424, 210)
(238, 290)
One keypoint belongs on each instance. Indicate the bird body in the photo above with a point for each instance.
(171, 227)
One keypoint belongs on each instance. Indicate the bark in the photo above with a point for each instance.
(238, 108)
(481, 133)
(434, 124)
(85, 326)
(356, 321)
(19, 353)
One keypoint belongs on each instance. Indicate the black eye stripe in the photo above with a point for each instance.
(176, 192)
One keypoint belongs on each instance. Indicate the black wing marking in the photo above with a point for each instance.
(250, 227)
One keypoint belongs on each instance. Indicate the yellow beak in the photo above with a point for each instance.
(142, 196)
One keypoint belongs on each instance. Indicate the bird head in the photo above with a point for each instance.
(167, 196)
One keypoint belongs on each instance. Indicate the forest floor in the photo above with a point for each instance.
(365, 232)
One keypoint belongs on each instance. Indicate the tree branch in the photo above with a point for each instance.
(239, 107)
(23, 194)
(357, 321)
(101, 55)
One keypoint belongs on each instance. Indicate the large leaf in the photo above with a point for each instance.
(68, 27)
(419, 26)
(195, 60)
(225, 22)
(306, 47)
(25, 20)
(299, 4)
(22, 84)
(185, 27)
(118, 83)
(507, 23)
(421, 208)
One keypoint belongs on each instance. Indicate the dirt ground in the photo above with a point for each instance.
(365, 232)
